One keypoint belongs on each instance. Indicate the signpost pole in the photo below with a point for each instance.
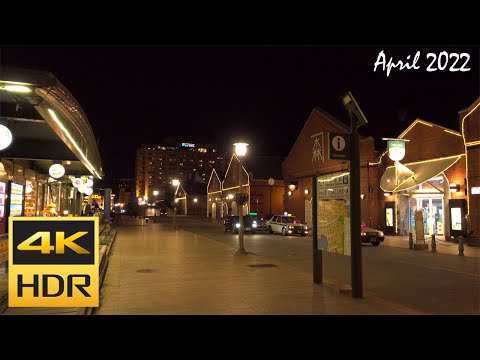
(317, 254)
(355, 210)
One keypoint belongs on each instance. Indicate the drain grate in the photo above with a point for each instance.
(262, 265)
(145, 271)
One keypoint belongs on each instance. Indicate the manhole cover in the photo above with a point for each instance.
(262, 265)
(145, 271)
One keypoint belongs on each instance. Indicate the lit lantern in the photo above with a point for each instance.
(82, 188)
(396, 149)
(90, 182)
(77, 182)
(56, 171)
(5, 137)
(88, 191)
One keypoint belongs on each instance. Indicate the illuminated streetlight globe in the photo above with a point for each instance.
(240, 148)
(155, 193)
(396, 148)
(5, 137)
(175, 182)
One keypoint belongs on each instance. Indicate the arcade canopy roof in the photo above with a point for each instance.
(47, 123)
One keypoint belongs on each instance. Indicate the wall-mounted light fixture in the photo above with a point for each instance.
(306, 191)
(454, 187)
(292, 186)
(289, 193)
(5, 137)
(387, 194)
(362, 196)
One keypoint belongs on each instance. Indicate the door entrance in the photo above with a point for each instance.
(432, 212)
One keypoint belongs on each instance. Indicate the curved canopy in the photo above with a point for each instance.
(47, 122)
(413, 174)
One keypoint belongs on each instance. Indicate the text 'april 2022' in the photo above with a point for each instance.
(442, 61)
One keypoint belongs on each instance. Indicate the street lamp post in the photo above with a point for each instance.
(195, 200)
(271, 181)
(240, 150)
(176, 184)
(155, 193)
(145, 199)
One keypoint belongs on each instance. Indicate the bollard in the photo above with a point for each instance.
(434, 244)
(460, 246)
(410, 241)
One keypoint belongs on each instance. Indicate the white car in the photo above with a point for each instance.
(286, 225)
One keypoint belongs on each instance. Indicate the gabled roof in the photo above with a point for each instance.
(471, 107)
(214, 177)
(420, 121)
(333, 119)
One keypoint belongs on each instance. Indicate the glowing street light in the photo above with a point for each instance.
(176, 183)
(155, 193)
(241, 151)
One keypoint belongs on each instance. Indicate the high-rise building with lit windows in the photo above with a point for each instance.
(157, 165)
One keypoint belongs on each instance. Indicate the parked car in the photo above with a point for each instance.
(260, 221)
(372, 236)
(163, 212)
(232, 223)
(286, 225)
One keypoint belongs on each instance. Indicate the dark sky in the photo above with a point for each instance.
(213, 94)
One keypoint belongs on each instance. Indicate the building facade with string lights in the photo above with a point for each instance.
(438, 176)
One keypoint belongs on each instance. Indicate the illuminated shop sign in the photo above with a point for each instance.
(188, 145)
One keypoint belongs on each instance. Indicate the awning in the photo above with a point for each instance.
(415, 173)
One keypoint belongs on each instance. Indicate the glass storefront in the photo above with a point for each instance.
(429, 199)
(432, 213)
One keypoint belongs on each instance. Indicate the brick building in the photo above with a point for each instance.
(470, 129)
(309, 157)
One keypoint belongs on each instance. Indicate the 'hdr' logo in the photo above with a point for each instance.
(53, 262)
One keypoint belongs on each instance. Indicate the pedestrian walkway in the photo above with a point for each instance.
(156, 270)
(442, 246)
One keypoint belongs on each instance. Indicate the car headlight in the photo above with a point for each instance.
(290, 227)
(364, 233)
(380, 233)
(237, 225)
(254, 225)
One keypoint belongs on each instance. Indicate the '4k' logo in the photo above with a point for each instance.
(60, 243)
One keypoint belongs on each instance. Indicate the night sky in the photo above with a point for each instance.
(261, 94)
